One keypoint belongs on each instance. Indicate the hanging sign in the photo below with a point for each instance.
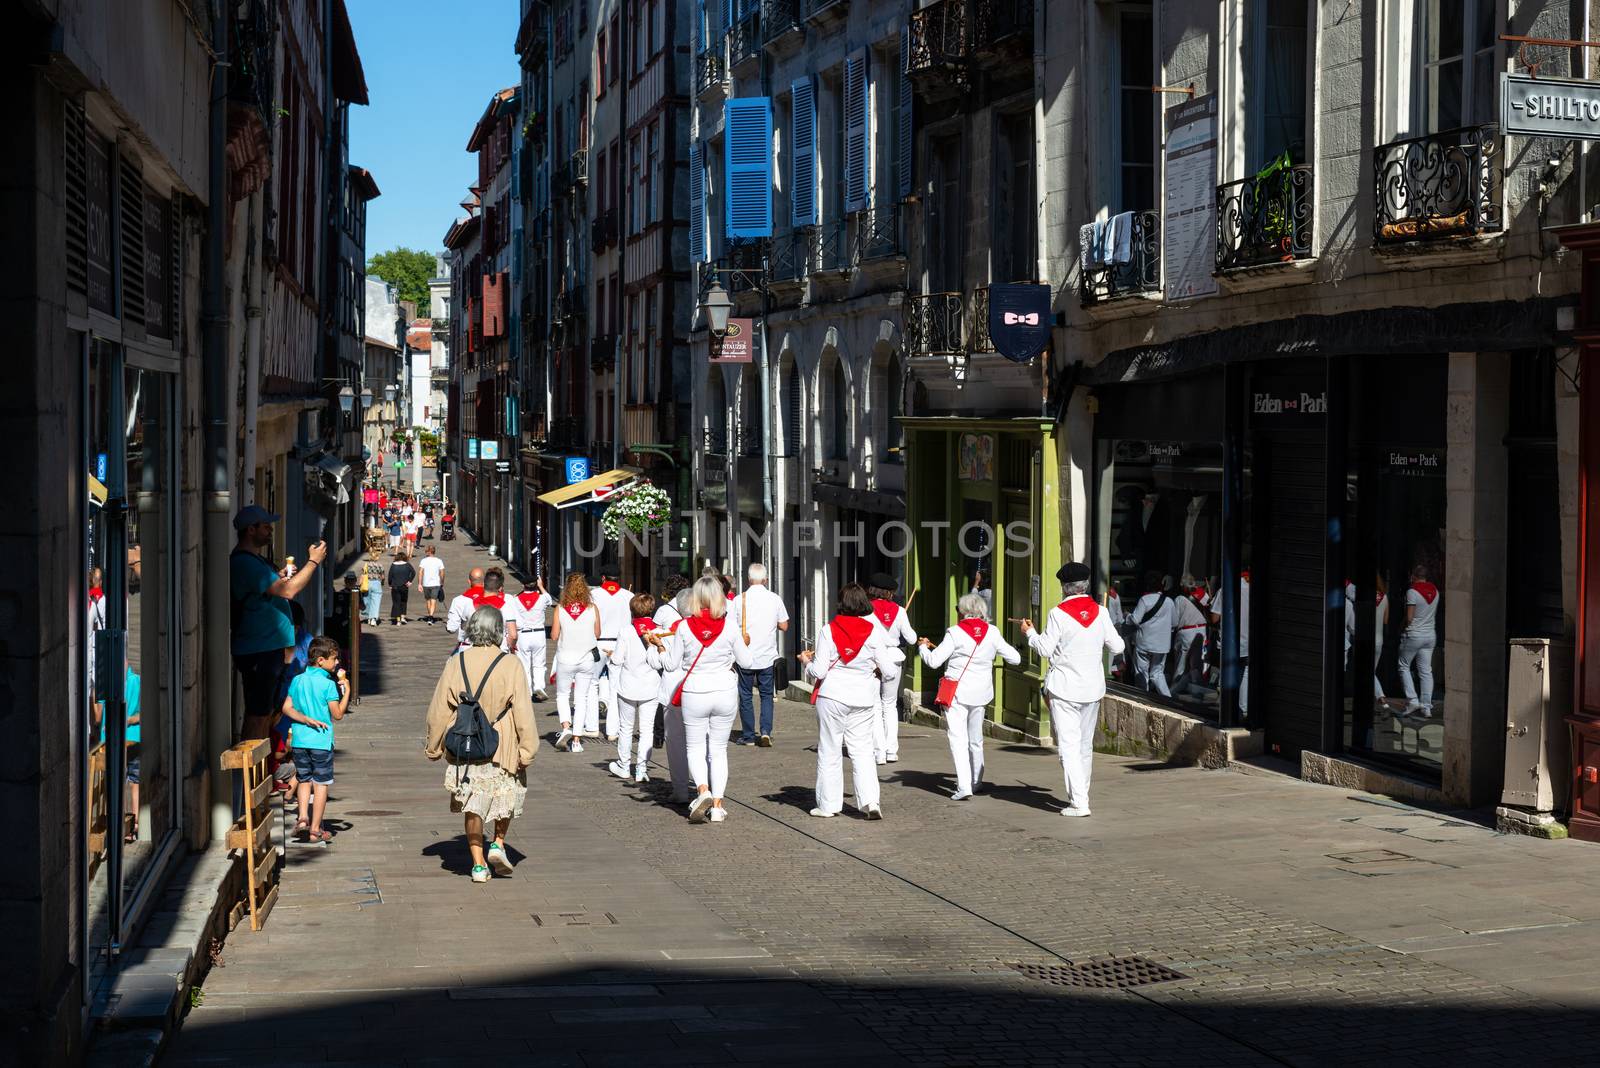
(577, 468)
(1019, 319)
(1549, 107)
(472, 448)
(489, 449)
(735, 346)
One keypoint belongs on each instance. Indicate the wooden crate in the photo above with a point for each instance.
(251, 833)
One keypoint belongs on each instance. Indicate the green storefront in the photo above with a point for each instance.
(983, 496)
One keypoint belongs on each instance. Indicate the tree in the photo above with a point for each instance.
(408, 271)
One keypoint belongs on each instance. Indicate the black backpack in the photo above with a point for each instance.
(473, 739)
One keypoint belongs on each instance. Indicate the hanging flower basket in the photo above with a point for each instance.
(636, 509)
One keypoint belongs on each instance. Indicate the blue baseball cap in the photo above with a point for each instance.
(251, 514)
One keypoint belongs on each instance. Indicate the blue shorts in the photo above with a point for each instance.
(313, 765)
(132, 761)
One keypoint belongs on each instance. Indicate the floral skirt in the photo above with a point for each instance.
(488, 791)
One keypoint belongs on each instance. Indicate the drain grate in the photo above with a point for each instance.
(573, 919)
(373, 812)
(1109, 973)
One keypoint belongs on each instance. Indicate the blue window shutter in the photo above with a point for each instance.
(857, 156)
(697, 203)
(727, 16)
(803, 146)
(906, 148)
(747, 188)
(699, 26)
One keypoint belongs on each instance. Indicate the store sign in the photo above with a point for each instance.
(98, 218)
(157, 265)
(1549, 107)
(489, 449)
(1287, 405)
(577, 468)
(735, 346)
(472, 448)
(1019, 319)
(1415, 463)
(503, 466)
(1189, 222)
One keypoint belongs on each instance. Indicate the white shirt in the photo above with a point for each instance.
(531, 619)
(1421, 625)
(577, 638)
(615, 615)
(898, 632)
(1155, 627)
(432, 571)
(455, 620)
(636, 666)
(665, 617)
(1188, 614)
(975, 684)
(1244, 613)
(1075, 636)
(853, 683)
(759, 611)
(713, 670)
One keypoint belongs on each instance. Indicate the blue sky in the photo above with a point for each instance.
(431, 68)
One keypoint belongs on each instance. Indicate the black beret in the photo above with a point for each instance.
(882, 581)
(1073, 571)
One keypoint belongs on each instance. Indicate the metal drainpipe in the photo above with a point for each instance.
(218, 496)
(763, 368)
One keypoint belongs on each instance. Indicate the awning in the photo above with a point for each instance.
(596, 488)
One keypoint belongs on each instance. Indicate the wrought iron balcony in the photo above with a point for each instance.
(603, 230)
(940, 46)
(1444, 185)
(1002, 30)
(603, 354)
(878, 233)
(825, 12)
(744, 41)
(569, 306)
(1100, 282)
(711, 71)
(1265, 218)
(716, 441)
(833, 248)
(981, 342)
(934, 324)
(790, 257)
(780, 19)
(748, 438)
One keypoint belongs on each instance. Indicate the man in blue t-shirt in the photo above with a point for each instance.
(263, 629)
(316, 699)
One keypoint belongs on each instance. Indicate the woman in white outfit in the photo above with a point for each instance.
(674, 609)
(894, 631)
(576, 632)
(636, 665)
(709, 649)
(848, 662)
(967, 653)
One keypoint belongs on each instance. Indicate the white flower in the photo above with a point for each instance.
(637, 508)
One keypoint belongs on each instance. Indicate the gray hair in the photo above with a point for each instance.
(758, 574)
(707, 596)
(486, 626)
(1075, 589)
(972, 606)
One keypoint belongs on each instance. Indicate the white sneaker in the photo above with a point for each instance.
(874, 812)
(498, 860)
(618, 768)
(1413, 707)
(612, 738)
(718, 815)
(893, 758)
(1074, 810)
(480, 873)
(961, 795)
(577, 746)
(821, 815)
(882, 759)
(641, 775)
(564, 739)
(698, 808)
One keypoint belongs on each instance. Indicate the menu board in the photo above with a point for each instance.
(1189, 219)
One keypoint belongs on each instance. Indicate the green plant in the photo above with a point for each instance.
(639, 507)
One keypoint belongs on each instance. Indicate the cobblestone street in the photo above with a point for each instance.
(1309, 925)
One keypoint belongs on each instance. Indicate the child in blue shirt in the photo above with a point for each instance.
(316, 699)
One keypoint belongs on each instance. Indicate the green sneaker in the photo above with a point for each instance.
(497, 859)
(480, 873)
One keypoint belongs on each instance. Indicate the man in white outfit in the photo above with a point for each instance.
(1076, 636)
(894, 630)
(462, 607)
(532, 607)
(759, 614)
(1154, 616)
(1215, 611)
(1417, 642)
(611, 598)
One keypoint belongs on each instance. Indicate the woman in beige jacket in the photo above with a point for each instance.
(491, 792)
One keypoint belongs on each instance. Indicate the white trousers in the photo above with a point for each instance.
(707, 719)
(1185, 640)
(842, 725)
(630, 712)
(677, 752)
(963, 726)
(1418, 650)
(600, 692)
(1151, 671)
(886, 722)
(532, 655)
(574, 682)
(1073, 723)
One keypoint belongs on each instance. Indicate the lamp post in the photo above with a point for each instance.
(717, 305)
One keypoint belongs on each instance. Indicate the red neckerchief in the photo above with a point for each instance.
(733, 596)
(1428, 590)
(975, 628)
(96, 593)
(611, 587)
(644, 625)
(885, 611)
(706, 627)
(1244, 576)
(493, 600)
(529, 598)
(1081, 608)
(472, 593)
(575, 609)
(850, 634)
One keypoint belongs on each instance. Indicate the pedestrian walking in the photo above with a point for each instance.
(263, 629)
(709, 693)
(637, 662)
(402, 576)
(396, 529)
(462, 606)
(493, 595)
(1076, 636)
(576, 633)
(894, 630)
(847, 662)
(373, 572)
(431, 572)
(1417, 643)
(317, 697)
(487, 792)
(967, 654)
(532, 608)
(1154, 617)
(611, 600)
(674, 609)
(762, 615)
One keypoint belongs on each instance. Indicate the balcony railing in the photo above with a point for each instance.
(748, 438)
(1099, 282)
(1443, 185)
(823, 11)
(790, 257)
(779, 18)
(833, 248)
(981, 342)
(569, 306)
(878, 233)
(933, 324)
(1265, 218)
(716, 441)
(603, 353)
(1001, 28)
(744, 41)
(940, 45)
(603, 230)
(711, 71)
(565, 434)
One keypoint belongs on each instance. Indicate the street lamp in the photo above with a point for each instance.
(366, 399)
(717, 304)
(347, 400)
(388, 393)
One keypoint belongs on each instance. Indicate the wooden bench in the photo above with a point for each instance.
(252, 832)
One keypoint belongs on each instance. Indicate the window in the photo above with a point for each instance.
(601, 307)
(616, 48)
(632, 347)
(603, 56)
(652, 177)
(652, 28)
(648, 376)
(795, 408)
(1135, 130)
(1275, 82)
(1014, 213)
(636, 215)
(1456, 55)
(603, 192)
(583, 116)
(838, 413)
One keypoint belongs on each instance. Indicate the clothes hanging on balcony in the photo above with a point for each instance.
(1089, 235)
(1117, 240)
